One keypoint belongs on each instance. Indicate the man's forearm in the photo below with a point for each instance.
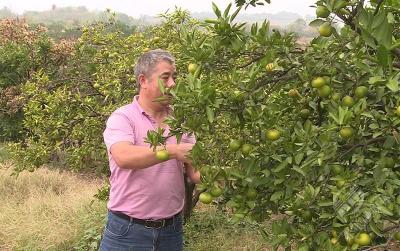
(135, 157)
(130, 156)
(138, 157)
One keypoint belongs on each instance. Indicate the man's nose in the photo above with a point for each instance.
(170, 83)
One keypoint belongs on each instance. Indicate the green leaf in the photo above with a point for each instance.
(280, 167)
(383, 55)
(216, 10)
(365, 19)
(316, 22)
(375, 228)
(210, 114)
(382, 30)
(276, 196)
(298, 158)
(379, 176)
(368, 38)
(339, 4)
(226, 12)
(375, 80)
(393, 85)
(391, 18)
(384, 210)
(367, 114)
(299, 170)
(161, 86)
(235, 14)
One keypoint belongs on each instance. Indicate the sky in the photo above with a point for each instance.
(136, 8)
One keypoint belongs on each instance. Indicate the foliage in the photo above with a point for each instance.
(65, 113)
(241, 90)
(22, 52)
(318, 127)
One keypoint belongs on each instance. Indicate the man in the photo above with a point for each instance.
(146, 195)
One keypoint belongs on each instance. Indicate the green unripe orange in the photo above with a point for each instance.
(246, 149)
(340, 183)
(322, 11)
(304, 113)
(348, 101)
(397, 236)
(238, 95)
(273, 134)
(205, 198)
(346, 132)
(251, 193)
(325, 30)
(398, 111)
(318, 82)
(361, 91)
(306, 215)
(192, 68)
(337, 169)
(162, 155)
(234, 145)
(216, 191)
(324, 91)
(363, 239)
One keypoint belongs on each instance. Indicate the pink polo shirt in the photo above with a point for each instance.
(155, 192)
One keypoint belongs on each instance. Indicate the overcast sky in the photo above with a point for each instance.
(136, 8)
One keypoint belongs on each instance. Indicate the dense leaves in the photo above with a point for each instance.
(307, 132)
(336, 169)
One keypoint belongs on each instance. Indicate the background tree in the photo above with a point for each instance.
(308, 133)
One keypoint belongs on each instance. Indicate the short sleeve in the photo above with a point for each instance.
(188, 138)
(118, 129)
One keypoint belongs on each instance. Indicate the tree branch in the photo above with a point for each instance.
(396, 52)
(352, 147)
(378, 6)
(251, 61)
(281, 76)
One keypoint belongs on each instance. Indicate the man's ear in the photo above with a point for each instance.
(142, 81)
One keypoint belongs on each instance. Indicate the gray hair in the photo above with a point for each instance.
(148, 61)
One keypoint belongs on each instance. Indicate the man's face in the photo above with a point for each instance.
(163, 72)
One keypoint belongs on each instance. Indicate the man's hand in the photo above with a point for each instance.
(192, 173)
(180, 151)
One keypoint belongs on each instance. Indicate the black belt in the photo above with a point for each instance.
(147, 223)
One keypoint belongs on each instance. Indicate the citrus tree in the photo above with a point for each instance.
(65, 105)
(23, 49)
(308, 133)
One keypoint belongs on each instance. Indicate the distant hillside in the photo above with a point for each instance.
(6, 13)
(281, 19)
(67, 19)
(80, 15)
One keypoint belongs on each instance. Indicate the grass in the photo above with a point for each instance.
(45, 210)
(51, 210)
(3, 153)
(209, 229)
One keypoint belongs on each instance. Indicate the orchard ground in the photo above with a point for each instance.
(52, 210)
(59, 213)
